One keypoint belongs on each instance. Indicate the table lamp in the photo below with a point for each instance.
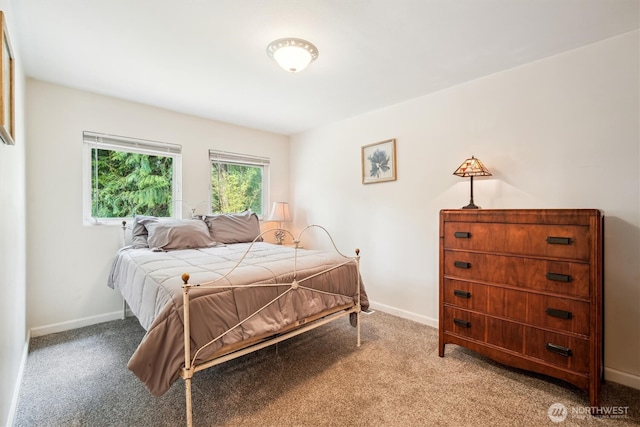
(279, 213)
(470, 168)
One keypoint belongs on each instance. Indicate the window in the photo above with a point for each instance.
(125, 176)
(238, 182)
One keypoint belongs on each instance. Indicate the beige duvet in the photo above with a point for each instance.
(151, 285)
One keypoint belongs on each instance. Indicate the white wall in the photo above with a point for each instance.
(68, 262)
(558, 133)
(12, 244)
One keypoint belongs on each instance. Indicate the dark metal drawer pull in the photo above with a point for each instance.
(462, 323)
(462, 235)
(462, 264)
(558, 277)
(559, 240)
(462, 294)
(563, 351)
(559, 313)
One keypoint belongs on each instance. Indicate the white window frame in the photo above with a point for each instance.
(243, 160)
(101, 141)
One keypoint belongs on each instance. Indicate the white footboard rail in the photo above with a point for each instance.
(190, 365)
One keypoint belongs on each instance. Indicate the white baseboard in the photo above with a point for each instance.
(623, 378)
(77, 323)
(404, 314)
(13, 408)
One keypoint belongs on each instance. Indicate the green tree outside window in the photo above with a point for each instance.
(236, 187)
(124, 184)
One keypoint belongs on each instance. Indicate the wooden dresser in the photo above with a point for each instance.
(524, 287)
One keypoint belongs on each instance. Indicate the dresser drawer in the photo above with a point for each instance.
(465, 323)
(558, 313)
(467, 295)
(559, 277)
(560, 350)
(554, 241)
(566, 315)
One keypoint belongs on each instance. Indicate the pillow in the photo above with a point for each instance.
(240, 227)
(139, 233)
(178, 234)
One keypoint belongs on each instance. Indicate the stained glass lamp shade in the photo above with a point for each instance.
(470, 168)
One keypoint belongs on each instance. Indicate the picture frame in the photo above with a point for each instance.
(379, 162)
(7, 88)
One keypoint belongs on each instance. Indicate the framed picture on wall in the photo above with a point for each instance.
(379, 162)
(7, 97)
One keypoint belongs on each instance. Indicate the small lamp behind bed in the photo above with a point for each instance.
(280, 213)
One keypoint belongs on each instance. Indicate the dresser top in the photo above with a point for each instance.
(526, 216)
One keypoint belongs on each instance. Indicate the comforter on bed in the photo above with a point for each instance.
(151, 285)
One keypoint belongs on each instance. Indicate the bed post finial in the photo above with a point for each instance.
(357, 251)
(185, 278)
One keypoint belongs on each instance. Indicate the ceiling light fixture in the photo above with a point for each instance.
(292, 54)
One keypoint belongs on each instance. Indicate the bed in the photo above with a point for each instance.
(209, 290)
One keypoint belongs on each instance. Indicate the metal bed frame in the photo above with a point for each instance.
(300, 327)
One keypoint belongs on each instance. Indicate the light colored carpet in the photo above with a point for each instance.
(80, 378)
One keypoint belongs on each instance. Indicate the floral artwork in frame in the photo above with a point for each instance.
(379, 162)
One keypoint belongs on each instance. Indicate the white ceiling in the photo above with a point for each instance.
(207, 57)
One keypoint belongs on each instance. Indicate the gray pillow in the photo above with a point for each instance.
(240, 227)
(178, 234)
(139, 233)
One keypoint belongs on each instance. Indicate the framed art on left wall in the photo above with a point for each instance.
(7, 97)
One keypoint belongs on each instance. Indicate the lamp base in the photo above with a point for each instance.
(279, 236)
(471, 206)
